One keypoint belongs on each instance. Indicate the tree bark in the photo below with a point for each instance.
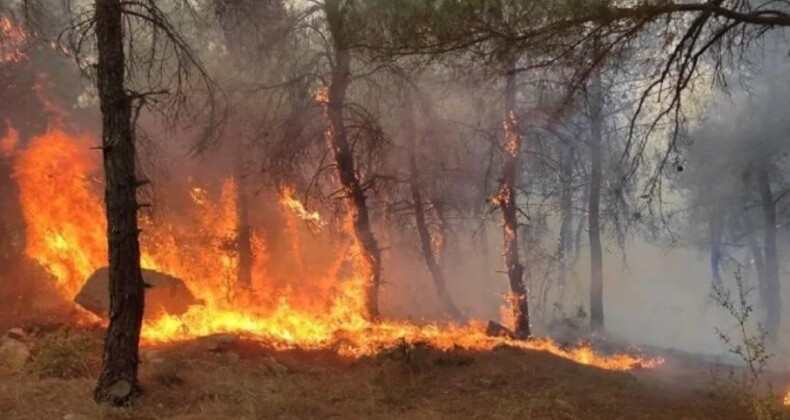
(773, 300)
(506, 201)
(594, 204)
(430, 255)
(344, 158)
(117, 383)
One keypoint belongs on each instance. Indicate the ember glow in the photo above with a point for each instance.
(59, 180)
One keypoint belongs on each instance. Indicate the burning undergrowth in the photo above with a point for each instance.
(320, 308)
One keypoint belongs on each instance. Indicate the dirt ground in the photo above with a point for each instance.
(229, 378)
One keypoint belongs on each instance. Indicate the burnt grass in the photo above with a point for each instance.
(224, 377)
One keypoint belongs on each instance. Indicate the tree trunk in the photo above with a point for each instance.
(481, 238)
(566, 209)
(773, 299)
(118, 378)
(243, 236)
(594, 204)
(426, 246)
(759, 265)
(507, 203)
(243, 233)
(8, 217)
(344, 158)
(442, 228)
(716, 232)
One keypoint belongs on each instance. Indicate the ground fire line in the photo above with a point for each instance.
(58, 184)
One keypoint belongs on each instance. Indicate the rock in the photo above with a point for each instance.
(16, 334)
(163, 294)
(13, 353)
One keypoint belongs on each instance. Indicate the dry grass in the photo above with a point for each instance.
(244, 380)
(66, 356)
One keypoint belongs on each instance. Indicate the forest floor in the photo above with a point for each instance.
(225, 377)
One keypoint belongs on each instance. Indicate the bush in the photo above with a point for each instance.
(64, 357)
(748, 342)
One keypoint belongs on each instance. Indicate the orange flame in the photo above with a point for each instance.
(65, 224)
(297, 208)
(323, 307)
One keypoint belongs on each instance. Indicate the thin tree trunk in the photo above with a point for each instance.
(243, 233)
(759, 265)
(118, 378)
(507, 203)
(578, 234)
(566, 209)
(772, 284)
(594, 204)
(244, 236)
(344, 158)
(426, 246)
(716, 231)
(482, 233)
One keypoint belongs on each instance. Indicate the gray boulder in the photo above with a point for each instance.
(163, 294)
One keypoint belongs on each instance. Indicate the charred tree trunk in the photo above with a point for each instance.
(773, 301)
(244, 236)
(7, 217)
(594, 206)
(118, 378)
(428, 252)
(506, 201)
(231, 14)
(344, 158)
(243, 233)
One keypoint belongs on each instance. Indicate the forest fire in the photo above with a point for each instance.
(375, 209)
(65, 227)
